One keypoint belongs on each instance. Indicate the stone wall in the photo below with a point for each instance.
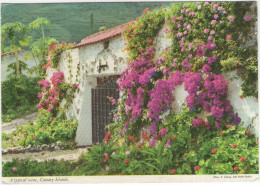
(8, 59)
(89, 57)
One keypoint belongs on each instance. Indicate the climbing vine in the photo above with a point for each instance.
(207, 39)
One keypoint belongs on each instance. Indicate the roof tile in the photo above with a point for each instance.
(103, 35)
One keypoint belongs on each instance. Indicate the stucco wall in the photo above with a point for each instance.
(89, 57)
(8, 59)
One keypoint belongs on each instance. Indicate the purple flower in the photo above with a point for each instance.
(212, 32)
(212, 59)
(236, 120)
(153, 142)
(231, 18)
(120, 132)
(163, 132)
(206, 31)
(216, 16)
(184, 25)
(190, 56)
(206, 68)
(213, 22)
(247, 18)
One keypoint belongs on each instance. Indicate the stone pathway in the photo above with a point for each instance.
(67, 155)
(11, 126)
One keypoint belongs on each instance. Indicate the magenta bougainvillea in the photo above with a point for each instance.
(200, 33)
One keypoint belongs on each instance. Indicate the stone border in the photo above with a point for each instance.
(38, 148)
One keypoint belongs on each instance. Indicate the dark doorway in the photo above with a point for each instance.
(101, 106)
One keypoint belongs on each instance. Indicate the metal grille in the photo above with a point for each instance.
(102, 109)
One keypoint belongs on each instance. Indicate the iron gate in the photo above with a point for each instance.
(102, 109)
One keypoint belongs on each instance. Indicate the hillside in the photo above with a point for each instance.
(71, 21)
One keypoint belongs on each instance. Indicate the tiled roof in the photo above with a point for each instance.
(103, 35)
(11, 52)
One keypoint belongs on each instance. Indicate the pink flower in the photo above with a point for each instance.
(120, 132)
(39, 95)
(206, 31)
(199, 7)
(168, 143)
(14, 169)
(188, 27)
(206, 3)
(192, 14)
(128, 153)
(220, 8)
(178, 25)
(225, 12)
(163, 132)
(190, 56)
(20, 160)
(107, 168)
(175, 60)
(247, 18)
(213, 22)
(229, 37)
(212, 32)
(231, 18)
(184, 5)
(185, 32)
(174, 64)
(210, 38)
(150, 41)
(216, 16)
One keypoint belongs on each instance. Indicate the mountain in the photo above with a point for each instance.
(71, 21)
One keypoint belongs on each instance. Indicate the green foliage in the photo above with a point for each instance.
(46, 130)
(19, 96)
(12, 67)
(15, 36)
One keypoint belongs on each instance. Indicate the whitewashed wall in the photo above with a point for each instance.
(89, 57)
(8, 59)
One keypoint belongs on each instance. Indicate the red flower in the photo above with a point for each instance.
(242, 159)
(173, 138)
(145, 10)
(173, 171)
(182, 156)
(236, 168)
(177, 164)
(126, 161)
(25, 136)
(200, 138)
(196, 168)
(214, 151)
(216, 161)
(228, 126)
(71, 124)
(35, 139)
(234, 146)
(221, 132)
(106, 157)
(155, 8)
(150, 41)
(247, 132)
(192, 141)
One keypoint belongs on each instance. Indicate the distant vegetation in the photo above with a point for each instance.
(71, 21)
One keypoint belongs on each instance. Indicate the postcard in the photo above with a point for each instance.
(129, 92)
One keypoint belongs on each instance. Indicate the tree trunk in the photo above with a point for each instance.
(17, 62)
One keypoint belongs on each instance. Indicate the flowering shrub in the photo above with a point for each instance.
(54, 54)
(54, 91)
(200, 33)
(46, 130)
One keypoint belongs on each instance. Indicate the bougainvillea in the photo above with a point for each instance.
(54, 91)
(203, 37)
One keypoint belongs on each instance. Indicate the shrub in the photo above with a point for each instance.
(19, 96)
